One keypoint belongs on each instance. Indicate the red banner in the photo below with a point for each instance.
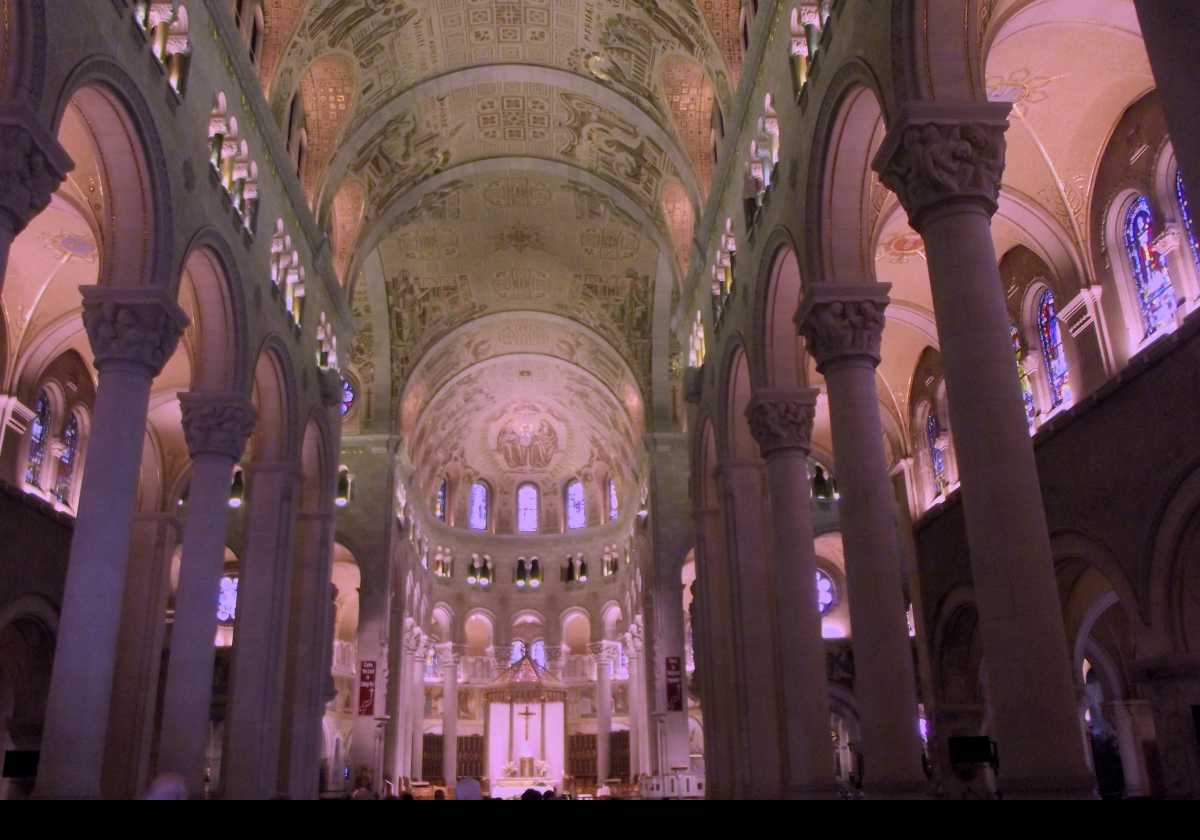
(366, 688)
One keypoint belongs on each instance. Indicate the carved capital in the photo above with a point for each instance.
(605, 653)
(137, 326)
(32, 165)
(934, 154)
(783, 420)
(217, 424)
(841, 322)
(330, 383)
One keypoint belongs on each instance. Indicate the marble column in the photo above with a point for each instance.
(32, 165)
(418, 711)
(216, 427)
(945, 163)
(449, 657)
(781, 422)
(843, 326)
(1127, 717)
(757, 719)
(307, 662)
(395, 761)
(604, 654)
(254, 718)
(715, 656)
(131, 719)
(635, 728)
(133, 333)
(1171, 30)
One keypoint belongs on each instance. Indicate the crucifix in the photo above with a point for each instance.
(527, 715)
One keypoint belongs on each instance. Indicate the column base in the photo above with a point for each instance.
(1060, 787)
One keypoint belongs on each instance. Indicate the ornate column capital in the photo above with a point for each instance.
(605, 653)
(841, 322)
(32, 165)
(782, 420)
(937, 153)
(217, 424)
(134, 326)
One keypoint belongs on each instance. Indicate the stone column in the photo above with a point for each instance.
(603, 653)
(945, 163)
(781, 422)
(216, 427)
(418, 713)
(307, 662)
(635, 728)
(32, 165)
(1171, 29)
(715, 656)
(132, 333)
(131, 717)
(1172, 684)
(1127, 716)
(757, 719)
(397, 753)
(450, 656)
(254, 718)
(843, 326)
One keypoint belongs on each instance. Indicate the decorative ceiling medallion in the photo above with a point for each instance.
(70, 246)
(901, 248)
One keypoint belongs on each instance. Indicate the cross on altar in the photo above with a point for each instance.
(527, 715)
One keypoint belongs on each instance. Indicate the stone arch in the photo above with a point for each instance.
(680, 217)
(23, 50)
(783, 360)
(327, 92)
(281, 19)
(611, 619)
(220, 358)
(346, 222)
(1172, 571)
(137, 233)
(28, 627)
(575, 630)
(958, 650)
(843, 188)
(473, 631)
(942, 58)
(274, 393)
(318, 465)
(738, 441)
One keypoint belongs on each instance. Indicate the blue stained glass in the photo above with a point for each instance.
(227, 600)
(349, 395)
(538, 653)
(527, 508)
(1156, 295)
(1185, 213)
(1052, 349)
(614, 509)
(937, 458)
(518, 651)
(39, 430)
(477, 517)
(439, 502)
(576, 510)
(826, 593)
(66, 461)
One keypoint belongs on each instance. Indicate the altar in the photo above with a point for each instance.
(525, 730)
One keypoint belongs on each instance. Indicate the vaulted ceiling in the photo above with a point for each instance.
(533, 166)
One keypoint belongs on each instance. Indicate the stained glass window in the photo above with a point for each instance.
(39, 431)
(1052, 349)
(537, 653)
(527, 508)
(1156, 295)
(1023, 378)
(1185, 214)
(227, 600)
(614, 508)
(349, 395)
(66, 461)
(826, 593)
(439, 501)
(477, 517)
(576, 511)
(937, 458)
(518, 651)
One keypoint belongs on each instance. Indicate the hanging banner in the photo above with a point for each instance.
(366, 688)
(674, 684)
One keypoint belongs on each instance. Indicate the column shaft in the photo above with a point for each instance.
(603, 716)
(450, 720)
(715, 646)
(185, 726)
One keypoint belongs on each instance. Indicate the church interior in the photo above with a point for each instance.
(599, 399)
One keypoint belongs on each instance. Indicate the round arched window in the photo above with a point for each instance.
(826, 592)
